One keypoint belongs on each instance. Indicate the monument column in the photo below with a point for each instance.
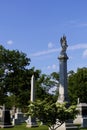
(63, 90)
(31, 122)
(32, 88)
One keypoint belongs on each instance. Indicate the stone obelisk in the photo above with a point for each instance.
(63, 90)
(32, 88)
(32, 120)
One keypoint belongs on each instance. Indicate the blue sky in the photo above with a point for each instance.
(36, 26)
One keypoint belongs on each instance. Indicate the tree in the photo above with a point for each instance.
(53, 114)
(12, 71)
(2, 74)
(46, 83)
(15, 79)
(77, 85)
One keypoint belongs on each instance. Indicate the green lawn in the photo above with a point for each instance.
(23, 127)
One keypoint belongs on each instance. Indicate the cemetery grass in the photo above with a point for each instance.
(23, 127)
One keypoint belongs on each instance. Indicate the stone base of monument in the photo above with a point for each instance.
(81, 121)
(67, 126)
(5, 119)
(62, 127)
(81, 118)
(71, 126)
(31, 122)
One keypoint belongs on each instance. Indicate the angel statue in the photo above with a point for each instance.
(63, 43)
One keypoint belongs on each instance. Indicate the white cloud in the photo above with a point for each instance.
(72, 21)
(52, 67)
(82, 25)
(44, 52)
(48, 67)
(49, 51)
(50, 45)
(85, 54)
(77, 24)
(9, 42)
(78, 46)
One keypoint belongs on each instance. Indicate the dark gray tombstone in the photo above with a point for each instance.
(5, 119)
(18, 117)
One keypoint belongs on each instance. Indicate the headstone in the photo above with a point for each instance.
(18, 117)
(5, 120)
(81, 118)
(31, 121)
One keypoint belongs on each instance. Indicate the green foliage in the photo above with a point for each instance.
(43, 84)
(52, 113)
(12, 74)
(77, 85)
(15, 79)
(47, 83)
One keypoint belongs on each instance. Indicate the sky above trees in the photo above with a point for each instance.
(36, 26)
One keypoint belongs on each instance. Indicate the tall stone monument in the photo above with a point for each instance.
(63, 93)
(31, 121)
(63, 87)
(32, 88)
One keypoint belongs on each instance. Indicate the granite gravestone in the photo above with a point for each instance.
(18, 117)
(5, 120)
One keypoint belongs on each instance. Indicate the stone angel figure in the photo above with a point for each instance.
(63, 43)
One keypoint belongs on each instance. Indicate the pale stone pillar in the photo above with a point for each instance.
(32, 88)
(31, 121)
